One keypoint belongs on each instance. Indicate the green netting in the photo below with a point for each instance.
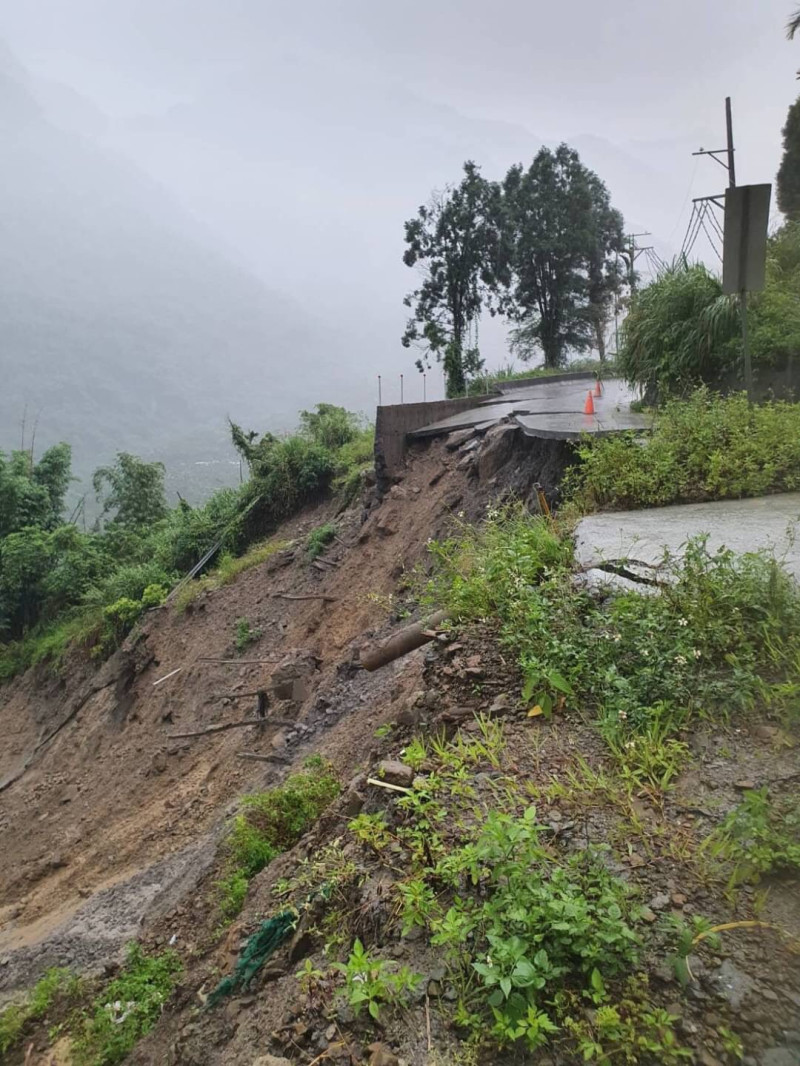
(264, 942)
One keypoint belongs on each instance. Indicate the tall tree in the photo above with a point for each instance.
(562, 237)
(133, 490)
(788, 182)
(455, 240)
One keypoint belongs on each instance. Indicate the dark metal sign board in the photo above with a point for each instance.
(745, 247)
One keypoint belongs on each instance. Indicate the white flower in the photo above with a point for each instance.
(617, 638)
(697, 653)
(680, 660)
(646, 653)
(630, 744)
(683, 622)
(623, 716)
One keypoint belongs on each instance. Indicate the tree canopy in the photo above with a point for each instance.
(454, 239)
(788, 181)
(542, 247)
(132, 489)
(562, 239)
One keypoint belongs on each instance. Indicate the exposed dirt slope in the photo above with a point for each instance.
(111, 794)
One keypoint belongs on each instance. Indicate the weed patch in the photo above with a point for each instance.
(57, 987)
(269, 823)
(228, 570)
(759, 837)
(319, 539)
(707, 447)
(245, 635)
(720, 637)
(127, 1009)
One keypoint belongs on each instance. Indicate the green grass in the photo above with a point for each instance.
(722, 638)
(56, 987)
(127, 1009)
(227, 570)
(760, 836)
(319, 539)
(269, 823)
(486, 382)
(705, 448)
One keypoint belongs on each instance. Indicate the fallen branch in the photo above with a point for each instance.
(219, 728)
(311, 596)
(407, 640)
(237, 662)
(273, 757)
(385, 784)
(166, 677)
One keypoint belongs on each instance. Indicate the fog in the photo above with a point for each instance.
(202, 201)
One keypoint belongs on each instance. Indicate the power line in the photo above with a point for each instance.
(711, 240)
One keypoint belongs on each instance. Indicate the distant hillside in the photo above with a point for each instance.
(120, 326)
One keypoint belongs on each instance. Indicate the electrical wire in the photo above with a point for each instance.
(692, 240)
(711, 239)
(689, 229)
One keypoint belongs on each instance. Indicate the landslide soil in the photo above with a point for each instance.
(111, 796)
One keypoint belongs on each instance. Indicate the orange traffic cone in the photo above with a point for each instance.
(588, 407)
(598, 388)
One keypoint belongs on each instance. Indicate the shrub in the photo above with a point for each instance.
(681, 331)
(705, 448)
(56, 986)
(758, 837)
(319, 539)
(127, 1009)
(269, 823)
(725, 633)
(245, 635)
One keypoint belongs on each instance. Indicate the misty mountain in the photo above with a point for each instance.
(121, 325)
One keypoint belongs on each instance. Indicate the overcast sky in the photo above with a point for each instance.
(301, 135)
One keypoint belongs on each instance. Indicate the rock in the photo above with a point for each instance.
(56, 861)
(678, 899)
(707, 1059)
(352, 803)
(381, 1055)
(387, 524)
(159, 762)
(746, 785)
(500, 704)
(394, 772)
(410, 714)
(455, 440)
(344, 1014)
(648, 915)
(659, 902)
(780, 1056)
(496, 451)
(733, 984)
(271, 1060)
(292, 679)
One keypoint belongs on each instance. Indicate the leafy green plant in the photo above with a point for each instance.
(319, 539)
(760, 836)
(245, 635)
(373, 983)
(269, 823)
(56, 987)
(539, 924)
(630, 1031)
(127, 1008)
(705, 447)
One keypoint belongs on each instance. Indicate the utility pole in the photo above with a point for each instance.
(729, 164)
(633, 254)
